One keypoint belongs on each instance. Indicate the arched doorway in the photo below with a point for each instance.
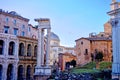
(1, 46)
(20, 72)
(29, 48)
(21, 49)
(34, 68)
(1, 70)
(28, 73)
(11, 48)
(10, 72)
(35, 50)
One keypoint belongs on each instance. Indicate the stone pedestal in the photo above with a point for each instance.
(42, 73)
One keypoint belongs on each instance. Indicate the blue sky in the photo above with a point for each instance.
(70, 19)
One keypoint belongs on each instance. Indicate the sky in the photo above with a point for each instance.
(70, 19)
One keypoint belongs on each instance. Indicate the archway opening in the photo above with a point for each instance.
(35, 50)
(10, 72)
(28, 73)
(29, 49)
(1, 46)
(11, 48)
(21, 49)
(20, 72)
(1, 70)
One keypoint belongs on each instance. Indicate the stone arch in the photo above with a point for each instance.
(20, 72)
(1, 47)
(35, 50)
(29, 50)
(10, 74)
(11, 48)
(1, 70)
(21, 49)
(28, 73)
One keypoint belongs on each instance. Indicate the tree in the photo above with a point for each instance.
(99, 56)
(92, 57)
(73, 63)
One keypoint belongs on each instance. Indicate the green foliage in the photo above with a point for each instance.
(90, 65)
(73, 63)
(77, 71)
(105, 65)
(99, 56)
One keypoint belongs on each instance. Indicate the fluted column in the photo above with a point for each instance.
(39, 48)
(48, 48)
(115, 23)
(116, 49)
(42, 46)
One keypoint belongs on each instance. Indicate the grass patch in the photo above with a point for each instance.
(105, 65)
(90, 67)
(77, 71)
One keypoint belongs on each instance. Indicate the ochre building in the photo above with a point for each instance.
(85, 47)
(64, 58)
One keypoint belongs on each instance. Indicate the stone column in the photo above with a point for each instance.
(6, 48)
(15, 71)
(16, 50)
(5, 65)
(42, 47)
(115, 22)
(42, 72)
(48, 48)
(39, 56)
(116, 51)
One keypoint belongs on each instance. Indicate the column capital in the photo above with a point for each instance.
(43, 23)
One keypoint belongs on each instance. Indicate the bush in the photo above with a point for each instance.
(105, 65)
(90, 65)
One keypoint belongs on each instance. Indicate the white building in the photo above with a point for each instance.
(56, 48)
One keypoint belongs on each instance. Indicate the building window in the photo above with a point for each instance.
(11, 48)
(82, 43)
(23, 33)
(21, 49)
(14, 22)
(1, 71)
(86, 51)
(28, 73)
(20, 73)
(29, 29)
(1, 47)
(111, 50)
(60, 49)
(102, 35)
(10, 73)
(15, 31)
(7, 20)
(23, 26)
(35, 51)
(29, 50)
(6, 29)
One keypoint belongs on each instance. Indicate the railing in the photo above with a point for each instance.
(28, 57)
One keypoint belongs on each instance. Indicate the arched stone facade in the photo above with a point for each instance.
(27, 58)
(8, 56)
